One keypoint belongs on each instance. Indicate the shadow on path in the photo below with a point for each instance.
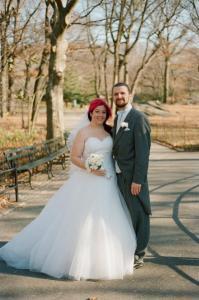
(6, 269)
(176, 218)
(172, 182)
(173, 263)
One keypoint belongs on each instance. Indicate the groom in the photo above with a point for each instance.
(131, 148)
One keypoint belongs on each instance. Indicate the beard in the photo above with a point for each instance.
(121, 105)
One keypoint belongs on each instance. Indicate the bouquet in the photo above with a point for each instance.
(94, 162)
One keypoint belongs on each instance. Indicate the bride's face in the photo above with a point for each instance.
(98, 116)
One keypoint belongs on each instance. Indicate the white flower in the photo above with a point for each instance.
(124, 124)
(94, 161)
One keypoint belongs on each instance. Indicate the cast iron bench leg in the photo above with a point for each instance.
(49, 170)
(30, 179)
(63, 161)
(16, 186)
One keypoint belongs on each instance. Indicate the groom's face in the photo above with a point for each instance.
(121, 96)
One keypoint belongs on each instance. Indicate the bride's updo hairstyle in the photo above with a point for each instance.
(99, 102)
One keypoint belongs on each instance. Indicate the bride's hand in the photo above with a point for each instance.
(100, 172)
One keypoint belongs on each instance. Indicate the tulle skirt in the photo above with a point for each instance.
(84, 232)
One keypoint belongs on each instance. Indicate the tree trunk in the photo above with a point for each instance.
(166, 81)
(10, 107)
(99, 82)
(4, 90)
(126, 73)
(96, 79)
(116, 70)
(116, 67)
(105, 75)
(11, 80)
(26, 97)
(136, 80)
(54, 92)
(39, 87)
(40, 83)
(3, 71)
(123, 69)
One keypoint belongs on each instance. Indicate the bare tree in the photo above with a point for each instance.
(125, 23)
(192, 7)
(60, 21)
(41, 80)
(5, 17)
(130, 25)
(99, 53)
(115, 15)
(96, 52)
(172, 41)
(154, 21)
(13, 26)
(97, 46)
(28, 56)
(12, 56)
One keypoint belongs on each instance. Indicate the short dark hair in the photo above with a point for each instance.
(118, 84)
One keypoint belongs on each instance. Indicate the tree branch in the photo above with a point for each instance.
(59, 5)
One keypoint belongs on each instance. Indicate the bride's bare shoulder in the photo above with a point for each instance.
(83, 133)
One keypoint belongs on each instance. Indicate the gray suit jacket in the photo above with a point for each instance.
(131, 149)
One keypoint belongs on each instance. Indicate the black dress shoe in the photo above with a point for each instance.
(138, 263)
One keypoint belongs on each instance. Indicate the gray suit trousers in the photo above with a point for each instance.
(140, 219)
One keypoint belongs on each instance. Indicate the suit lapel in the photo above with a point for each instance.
(115, 127)
(121, 130)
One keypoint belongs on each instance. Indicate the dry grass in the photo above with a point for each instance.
(180, 129)
(12, 135)
(6, 203)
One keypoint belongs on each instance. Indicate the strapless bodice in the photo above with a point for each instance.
(104, 147)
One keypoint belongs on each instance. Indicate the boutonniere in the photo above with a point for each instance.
(125, 125)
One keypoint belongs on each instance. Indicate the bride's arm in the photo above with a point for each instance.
(77, 150)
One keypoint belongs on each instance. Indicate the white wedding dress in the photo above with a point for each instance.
(84, 232)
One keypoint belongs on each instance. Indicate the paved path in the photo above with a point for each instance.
(172, 264)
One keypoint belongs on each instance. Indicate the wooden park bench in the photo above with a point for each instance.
(29, 158)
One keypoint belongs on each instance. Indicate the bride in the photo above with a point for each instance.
(84, 232)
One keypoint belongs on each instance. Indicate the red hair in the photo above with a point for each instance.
(99, 102)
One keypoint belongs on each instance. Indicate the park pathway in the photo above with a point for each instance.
(172, 265)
